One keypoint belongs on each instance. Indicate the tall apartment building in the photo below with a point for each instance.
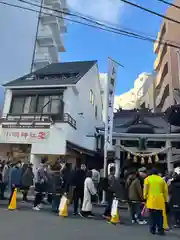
(166, 64)
(51, 26)
(128, 100)
(17, 43)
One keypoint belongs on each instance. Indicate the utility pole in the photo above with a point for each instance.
(37, 29)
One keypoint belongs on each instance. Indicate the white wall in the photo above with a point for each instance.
(75, 104)
(55, 142)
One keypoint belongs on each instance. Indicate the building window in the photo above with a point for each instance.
(91, 97)
(42, 104)
(36, 104)
(55, 104)
(29, 104)
(96, 111)
(49, 104)
(17, 105)
(114, 142)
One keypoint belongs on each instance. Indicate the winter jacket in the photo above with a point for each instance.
(78, 178)
(27, 178)
(41, 181)
(41, 176)
(135, 192)
(155, 192)
(57, 183)
(174, 191)
(15, 177)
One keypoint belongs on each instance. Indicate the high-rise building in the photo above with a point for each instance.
(50, 28)
(128, 100)
(19, 31)
(166, 64)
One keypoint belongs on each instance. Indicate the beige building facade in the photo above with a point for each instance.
(166, 64)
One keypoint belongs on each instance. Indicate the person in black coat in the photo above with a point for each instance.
(77, 180)
(57, 189)
(174, 192)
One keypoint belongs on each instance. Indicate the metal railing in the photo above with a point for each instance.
(70, 120)
(40, 118)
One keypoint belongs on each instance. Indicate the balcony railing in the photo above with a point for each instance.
(39, 118)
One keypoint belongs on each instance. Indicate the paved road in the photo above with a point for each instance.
(26, 224)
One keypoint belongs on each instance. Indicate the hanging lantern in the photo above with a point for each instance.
(135, 159)
(142, 160)
(149, 160)
(129, 156)
(156, 158)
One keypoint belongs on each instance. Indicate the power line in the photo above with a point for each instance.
(169, 4)
(88, 19)
(102, 27)
(77, 15)
(151, 11)
(120, 32)
(85, 18)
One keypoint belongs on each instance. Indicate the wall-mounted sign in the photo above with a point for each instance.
(25, 136)
(25, 126)
(28, 118)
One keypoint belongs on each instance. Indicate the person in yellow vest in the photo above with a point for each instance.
(156, 197)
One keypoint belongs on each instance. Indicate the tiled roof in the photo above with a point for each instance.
(54, 74)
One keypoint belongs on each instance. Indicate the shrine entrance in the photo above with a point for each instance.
(136, 150)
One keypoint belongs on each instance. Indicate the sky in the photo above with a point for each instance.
(18, 29)
(84, 43)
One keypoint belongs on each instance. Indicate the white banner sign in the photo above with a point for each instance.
(112, 73)
(25, 136)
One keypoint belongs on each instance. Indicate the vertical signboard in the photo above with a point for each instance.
(110, 103)
(109, 106)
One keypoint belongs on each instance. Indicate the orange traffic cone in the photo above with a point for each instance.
(115, 218)
(13, 204)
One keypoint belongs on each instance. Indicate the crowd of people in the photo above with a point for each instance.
(141, 189)
(158, 194)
